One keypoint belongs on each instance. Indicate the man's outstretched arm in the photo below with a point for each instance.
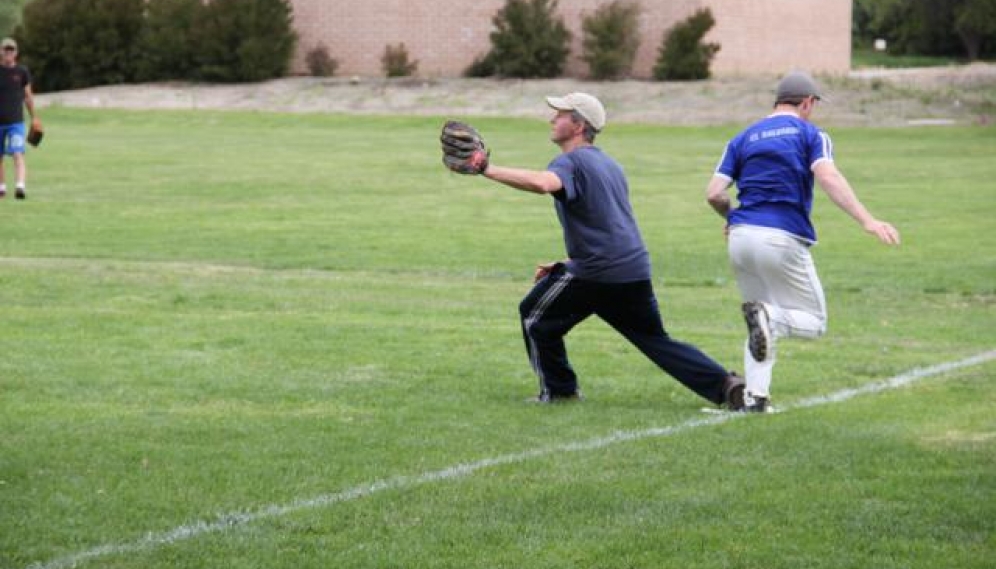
(536, 181)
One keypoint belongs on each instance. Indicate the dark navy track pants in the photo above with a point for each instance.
(560, 301)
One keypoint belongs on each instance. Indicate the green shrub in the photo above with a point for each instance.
(482, 66)
(10, 16)
(683, 56)
(43, 41)
(611, 38)
(529, 41)
(244, 40)
(319, 62)
(165, 46)
(70, 44)
(395, 61)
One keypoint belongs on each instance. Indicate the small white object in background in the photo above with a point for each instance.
(880, 44)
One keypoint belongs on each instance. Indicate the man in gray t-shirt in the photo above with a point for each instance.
(602, 240)
(607, 272)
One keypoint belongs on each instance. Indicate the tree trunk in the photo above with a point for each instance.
(972, 42)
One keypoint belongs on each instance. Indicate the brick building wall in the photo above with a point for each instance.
(445, 36)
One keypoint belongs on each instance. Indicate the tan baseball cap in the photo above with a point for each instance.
(8, 42)
(586, 105)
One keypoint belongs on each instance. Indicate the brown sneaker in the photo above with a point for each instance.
(733, 392)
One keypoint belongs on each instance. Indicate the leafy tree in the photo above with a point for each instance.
(244, 40)
(165, 46)
(683, 56)
(975, 23)
(482, 66)
(611, 38)
(47, 55)
(10, 16)
(928, 27)
(78, 43)
(72, 44)
(106, 48)
(529, 41)
(872, 19)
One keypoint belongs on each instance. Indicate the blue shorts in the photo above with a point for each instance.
(12, 138)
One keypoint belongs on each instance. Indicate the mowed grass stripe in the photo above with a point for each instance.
(227, 521)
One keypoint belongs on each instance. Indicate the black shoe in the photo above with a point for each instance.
(19, 193)
(758, 330)
(545, 397)
(733, 392)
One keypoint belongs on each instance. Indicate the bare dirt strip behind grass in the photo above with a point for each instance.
(868, 97)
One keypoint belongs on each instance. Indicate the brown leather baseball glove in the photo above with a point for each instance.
(464, 151)
(35, 133)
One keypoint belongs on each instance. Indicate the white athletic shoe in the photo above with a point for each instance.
(760, 405)
(545, 397)
(758, 329)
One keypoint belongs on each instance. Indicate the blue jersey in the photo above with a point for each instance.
(772, 164)
(602, 239)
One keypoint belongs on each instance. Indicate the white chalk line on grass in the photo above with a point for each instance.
(235, 519)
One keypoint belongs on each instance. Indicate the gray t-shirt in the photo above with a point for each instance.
(600, 232)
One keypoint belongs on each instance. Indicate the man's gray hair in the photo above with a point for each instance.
(589, 131)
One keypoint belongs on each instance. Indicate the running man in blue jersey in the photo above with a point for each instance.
(774, 163)
(607, 272)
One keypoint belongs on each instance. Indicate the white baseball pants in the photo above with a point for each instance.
(775, 267)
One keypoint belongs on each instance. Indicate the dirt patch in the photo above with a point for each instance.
(874, 97)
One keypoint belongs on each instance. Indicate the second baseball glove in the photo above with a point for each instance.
(35, 134)
(464, 151)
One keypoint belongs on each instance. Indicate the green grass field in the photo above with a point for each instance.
(307, 322)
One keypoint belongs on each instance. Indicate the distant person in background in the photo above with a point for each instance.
(774, 163)
(15, 96)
